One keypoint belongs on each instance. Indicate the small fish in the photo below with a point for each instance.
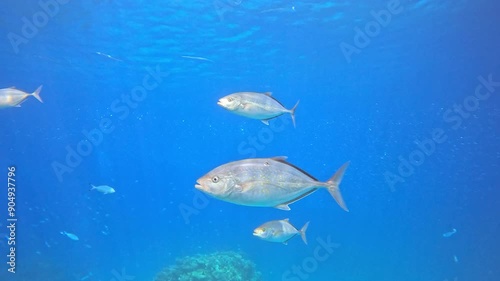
(292, 9)
(12, 97)
(108, 56)
(261, 106)
(197, 58)
(105, 189)
(280, 231)
(450, 233)
(70, 235)
(266, 182)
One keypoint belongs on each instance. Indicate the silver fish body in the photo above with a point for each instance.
(12, 97)
(261, 106)
(105, 189)
(280, 231)
(70, 235)
(266, 182)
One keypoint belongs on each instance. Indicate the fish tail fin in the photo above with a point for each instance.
(36, 93)
(333, 185)
(302, 232)
(92, 187)
(292, 112)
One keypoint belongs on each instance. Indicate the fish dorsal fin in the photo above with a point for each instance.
(12, 87)
(287, 220)
(269, 95)
(280, 158)
(283, 207)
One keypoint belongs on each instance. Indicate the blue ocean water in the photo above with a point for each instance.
(406, 91)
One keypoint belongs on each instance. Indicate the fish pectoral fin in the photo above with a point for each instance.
(265, 121)
(283, 207)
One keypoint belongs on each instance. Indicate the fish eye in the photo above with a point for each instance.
(215, 179)
(229, 99)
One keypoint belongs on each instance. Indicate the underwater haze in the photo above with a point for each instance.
(408, 91)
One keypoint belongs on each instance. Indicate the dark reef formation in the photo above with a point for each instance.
(227, 266)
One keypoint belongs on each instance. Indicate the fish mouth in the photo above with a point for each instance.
(220, 103)
(198, 186)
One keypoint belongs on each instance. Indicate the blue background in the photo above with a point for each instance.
(369, 108)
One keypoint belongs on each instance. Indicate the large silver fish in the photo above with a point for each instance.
(280, 231)
(261, 106)
(266, 182)
(12, 97)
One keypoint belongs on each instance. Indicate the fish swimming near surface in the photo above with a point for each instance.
(266, 182)
(12, 97)
(280, 231)
(261, 106)
(105, 189)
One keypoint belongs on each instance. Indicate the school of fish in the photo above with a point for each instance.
(266, 182)
(257, 182)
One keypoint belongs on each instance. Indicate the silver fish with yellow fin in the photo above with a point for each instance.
(280, 231)
(266, 182)
(12, 97)
(261, 106)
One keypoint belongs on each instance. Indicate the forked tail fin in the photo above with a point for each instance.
(302, 232)
(36, 94)
(333, 185)
(292, 112)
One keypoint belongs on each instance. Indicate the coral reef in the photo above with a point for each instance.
(226, 266)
